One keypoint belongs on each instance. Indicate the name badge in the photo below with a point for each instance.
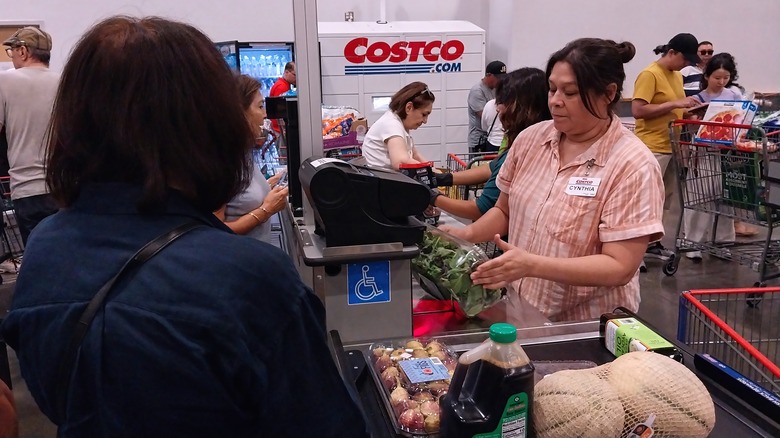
(583, 186)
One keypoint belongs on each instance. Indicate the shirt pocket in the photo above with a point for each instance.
(575, 220)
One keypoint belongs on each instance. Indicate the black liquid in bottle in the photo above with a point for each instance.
(491, 392)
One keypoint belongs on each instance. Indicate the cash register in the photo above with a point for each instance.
(357, 205)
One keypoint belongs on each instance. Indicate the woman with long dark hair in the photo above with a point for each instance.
(521, 101)
(196, 341)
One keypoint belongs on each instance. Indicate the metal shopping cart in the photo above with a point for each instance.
(717, 322)
(722, 174)
(10, 238)
(465, 161)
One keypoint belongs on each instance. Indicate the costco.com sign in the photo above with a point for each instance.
(366, 57)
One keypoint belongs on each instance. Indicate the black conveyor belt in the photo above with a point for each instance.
(733, 419)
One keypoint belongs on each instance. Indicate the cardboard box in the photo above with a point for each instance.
(735, 112)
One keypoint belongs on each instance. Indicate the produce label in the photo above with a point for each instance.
(424, 370)
(514, 421)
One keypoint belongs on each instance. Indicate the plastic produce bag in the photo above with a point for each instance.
(447, 262)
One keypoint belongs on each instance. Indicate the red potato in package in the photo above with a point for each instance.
(412, 374)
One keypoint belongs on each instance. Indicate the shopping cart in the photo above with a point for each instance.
(721, 173)
(717, 322)
(12, 246)
(465, 161)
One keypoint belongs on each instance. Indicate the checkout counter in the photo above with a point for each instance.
(356, 257)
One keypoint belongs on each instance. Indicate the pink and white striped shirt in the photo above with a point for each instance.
(544, 220)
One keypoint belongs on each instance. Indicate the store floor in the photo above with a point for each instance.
(659, 307)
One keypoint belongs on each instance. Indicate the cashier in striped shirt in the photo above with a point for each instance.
(581, 196)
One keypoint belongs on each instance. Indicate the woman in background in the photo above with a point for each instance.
(580, 195)
(195, 342)
(521, 101)
(388, 142)
(659, 98)
(251, 210)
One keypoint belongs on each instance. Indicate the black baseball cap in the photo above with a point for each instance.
(686, 44)
(499, 68)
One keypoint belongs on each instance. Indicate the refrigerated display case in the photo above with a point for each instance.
(263, 61)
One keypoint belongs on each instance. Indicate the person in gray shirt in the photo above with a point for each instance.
(26, 100)
(479, 95)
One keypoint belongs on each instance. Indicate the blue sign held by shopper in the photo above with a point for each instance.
(368, 283)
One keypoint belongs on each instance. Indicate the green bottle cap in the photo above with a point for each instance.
(503, 333)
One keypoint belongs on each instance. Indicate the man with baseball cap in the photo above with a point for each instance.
(479, 95)
(27, 97)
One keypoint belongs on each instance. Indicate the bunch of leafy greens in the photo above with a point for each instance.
(449, 265)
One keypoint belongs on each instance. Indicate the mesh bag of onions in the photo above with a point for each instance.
(620, 398)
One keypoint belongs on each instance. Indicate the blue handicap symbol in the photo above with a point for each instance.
(368, 282)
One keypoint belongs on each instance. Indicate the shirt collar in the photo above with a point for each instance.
(598, 151)
(122, 198)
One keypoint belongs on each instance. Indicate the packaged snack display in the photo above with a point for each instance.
(341, 126)
(447, 262)
(412, 375)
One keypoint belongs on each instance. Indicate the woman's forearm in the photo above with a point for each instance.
(466, 209)
(475, 175)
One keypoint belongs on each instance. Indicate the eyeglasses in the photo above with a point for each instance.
(10, 50)
(706, 52)
(424, 91)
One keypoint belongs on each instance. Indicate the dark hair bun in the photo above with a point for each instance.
(626, 50)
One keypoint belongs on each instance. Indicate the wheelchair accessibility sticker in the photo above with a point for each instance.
(368, 283)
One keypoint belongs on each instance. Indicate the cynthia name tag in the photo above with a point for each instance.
(583, 186)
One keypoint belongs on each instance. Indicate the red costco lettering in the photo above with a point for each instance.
(358, 51)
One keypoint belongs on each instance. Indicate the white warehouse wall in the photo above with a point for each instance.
(746, 29)
(521, 32)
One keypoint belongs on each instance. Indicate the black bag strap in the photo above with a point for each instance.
(491, 125)
(85, 320)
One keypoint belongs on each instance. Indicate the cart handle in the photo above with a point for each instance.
(457, 159)
(688, 295)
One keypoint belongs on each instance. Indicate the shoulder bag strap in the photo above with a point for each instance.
(85, 320)
(494, 122)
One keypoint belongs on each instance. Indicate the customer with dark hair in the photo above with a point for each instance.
(250, 211)
(692, 74)
(719, 74)
(196, 341)
(388, 143)
(580, 195)
(658, 99)
(521, 101)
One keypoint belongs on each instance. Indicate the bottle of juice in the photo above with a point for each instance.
(491, 392)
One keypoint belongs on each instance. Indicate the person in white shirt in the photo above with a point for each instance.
(718, 83)
(388, 143)
(491, 124)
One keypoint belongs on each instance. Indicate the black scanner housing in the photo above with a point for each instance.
(359, 205)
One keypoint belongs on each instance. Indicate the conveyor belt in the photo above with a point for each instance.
(732, 418)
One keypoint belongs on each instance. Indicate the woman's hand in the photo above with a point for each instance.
(274, 180)
(276, 199)
(512, 265)
(688, 102)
